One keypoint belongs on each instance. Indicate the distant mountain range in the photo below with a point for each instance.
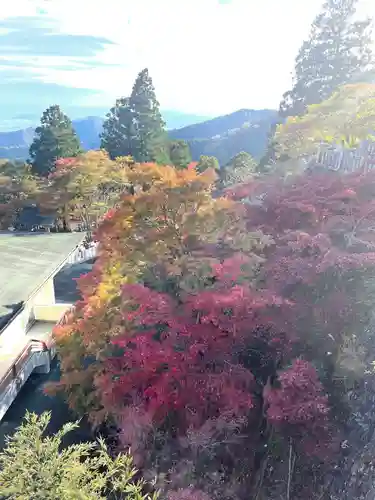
(14, 144)
(223, 137)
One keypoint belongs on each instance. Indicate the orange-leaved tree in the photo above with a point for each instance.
(168, 234)
(84, 187)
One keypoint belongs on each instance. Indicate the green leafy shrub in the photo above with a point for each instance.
(35, 466)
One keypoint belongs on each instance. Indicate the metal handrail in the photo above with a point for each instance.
(19, 363)
(13, 370)
(24, 355)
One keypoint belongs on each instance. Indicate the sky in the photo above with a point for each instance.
(206, 57)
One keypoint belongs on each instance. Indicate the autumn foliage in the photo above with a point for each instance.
(347, 117)
(243, 314)
(84, 187)
(17, 188)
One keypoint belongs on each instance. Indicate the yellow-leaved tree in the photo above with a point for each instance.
(84, 187)
(346, 118)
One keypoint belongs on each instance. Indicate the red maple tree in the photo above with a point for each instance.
(264, 335)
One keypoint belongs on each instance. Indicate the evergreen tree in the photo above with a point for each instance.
(179, 153)
(240, 169)
(34, 466)
(269, 156)
(337, 52)
(134, 126)
(150, 140)
(118, 130)
(54, 139)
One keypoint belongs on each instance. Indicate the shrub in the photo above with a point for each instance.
(33, 466)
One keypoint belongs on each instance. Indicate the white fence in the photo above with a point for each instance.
(347, 160)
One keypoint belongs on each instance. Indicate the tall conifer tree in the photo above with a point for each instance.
(337, 52)
(118, 130)
(54, 139)
(150, 141)
(134, 126)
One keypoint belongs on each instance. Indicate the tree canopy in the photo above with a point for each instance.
(347, 117)
(338, 51)
(240, 169)
(207, 162)
(17, 187)
(54, 139)
(179, 153)
(225, 315)
(134, 126)
(85, 187)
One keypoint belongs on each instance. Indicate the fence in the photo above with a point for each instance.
(347, 160)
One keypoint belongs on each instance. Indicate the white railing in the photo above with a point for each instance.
(347, 159)
(82, 253)
(36, 356)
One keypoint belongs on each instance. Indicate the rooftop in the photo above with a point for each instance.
(26, 262)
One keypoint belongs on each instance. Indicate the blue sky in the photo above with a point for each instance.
(206, 57)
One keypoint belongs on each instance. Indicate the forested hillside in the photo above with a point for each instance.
(15, 145)
(223, 137)
(223, 124)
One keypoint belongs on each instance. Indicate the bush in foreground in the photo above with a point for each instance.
(35, 466)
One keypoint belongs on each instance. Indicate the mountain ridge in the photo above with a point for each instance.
(222, 136)
(221, 123)
(225, 136)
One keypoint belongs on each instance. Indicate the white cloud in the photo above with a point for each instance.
(204, 57)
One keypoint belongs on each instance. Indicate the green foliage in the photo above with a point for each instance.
(240, 169)
(134, 126)
(55, 139)
(150, 141)
(206, 162)
(337, 52)
(84, 187)
(252, 139)
(33, 467)
(118, 130)
(14, 169)
(344, 119)
(269, 157)
(179, 153)
(17, 188)
(225, 136)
